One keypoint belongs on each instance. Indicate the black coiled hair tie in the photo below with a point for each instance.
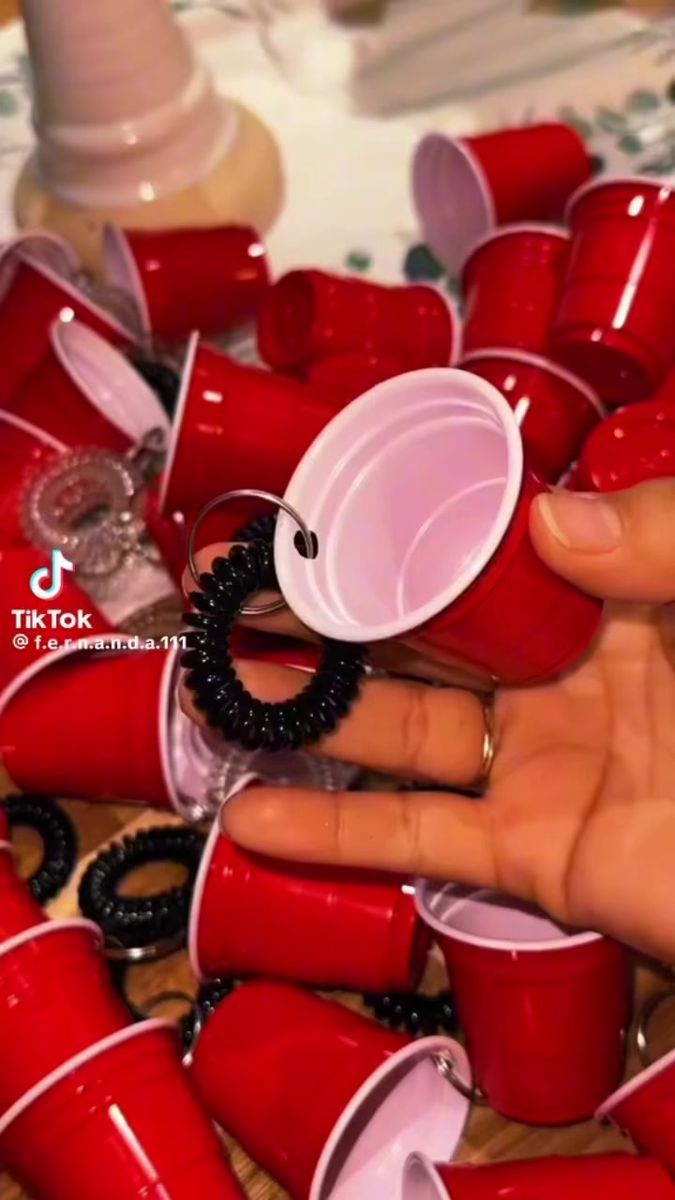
(141, 921)
(59, 842)
(212, 678)
(260, 529)
(420, 1016)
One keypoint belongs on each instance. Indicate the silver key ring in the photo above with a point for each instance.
(447, 1067)
(250, 610)
(194, 1009)
(114, 951)
(647, 1015)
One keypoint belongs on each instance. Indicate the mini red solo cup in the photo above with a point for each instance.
(118, 1121)
(56, 999)
(310, 315)
(39, 246)
(420, 501)
(235, 427)
(25, 452)
(110, 729)
(327, 1101)
(35, 631)
(613, 325)
(36, 297)
(84, 393)
(608, 1176)
(340, 379)
(18, 910)
(544, 1009)
(645, 1108)
(463, 188)
(633, 445)
(511, 283)
(183, 279)
(348, 929)
(555, 409)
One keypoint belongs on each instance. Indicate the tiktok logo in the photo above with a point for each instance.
(47, 582)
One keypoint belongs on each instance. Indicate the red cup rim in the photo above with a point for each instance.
(33, 431)
(6, 847)
(454, 251)
(513, 228)
(167, 693)
(47, 928)
(121, 270)
(610, 181)
(634, 1085)
(422, 888)
(78, 1060)
(17, 246)
(124, 417)
(79, 296)
(421, 1162)
(179, 418)
(543, 364)
(202, 876)
(408, 1057)
(118, 642)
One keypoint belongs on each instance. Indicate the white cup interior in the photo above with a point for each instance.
(120, 271)
(410, 491)
(421, 1181)
(486, 918)
(107, 380)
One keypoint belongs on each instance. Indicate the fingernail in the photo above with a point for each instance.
(580, 521)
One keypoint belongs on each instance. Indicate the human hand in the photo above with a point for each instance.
(579, 816)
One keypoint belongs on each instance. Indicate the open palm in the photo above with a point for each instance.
(580, 813)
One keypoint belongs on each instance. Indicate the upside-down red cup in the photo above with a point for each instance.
(118, 1121)
(36, 296)
(56, 999)
(25, 452)
(596, 1177)
(183, 279)
(645, 1108)
(325, 1100)
(633, 445)
(35, 630)
(511, 284)
(309, 315)
(544, 1009)
(554, 408)
(350, 929)
(110, 727)
(235, 427)
(420, 501)
(614, 321)
(18, 910)
(340, 379)
(85, 393)
(464, 187)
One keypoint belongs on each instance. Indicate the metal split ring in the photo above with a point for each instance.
(447, 1067)
(309, 540)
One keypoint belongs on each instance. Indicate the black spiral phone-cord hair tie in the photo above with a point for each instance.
(59, 842)
(212, 678)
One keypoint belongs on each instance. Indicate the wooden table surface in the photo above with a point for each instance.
(489, 1137)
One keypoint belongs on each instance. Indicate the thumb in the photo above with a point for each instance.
(619, 546)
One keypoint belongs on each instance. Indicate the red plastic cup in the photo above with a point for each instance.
(341, 379)
(183, 279)
(463, 188)
(544, 1009)
(327, 1101)
(27, 643)
(119, 1122)
(36, 297)
(349, 929)
(56, 999)
(18, 910)
(39, 246)
(420, 501)
(24, 453)
(512, 282)
(596, 1177)
(224, 409)
(84, 393)
(107, 727)
(310, 315)
(645, 1108)
(614, 321)
(633, 445)
(555, 410)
